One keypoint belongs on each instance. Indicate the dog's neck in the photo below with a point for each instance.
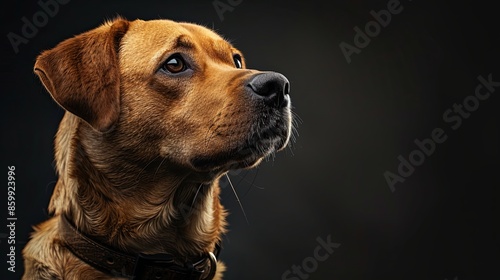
(138, 207)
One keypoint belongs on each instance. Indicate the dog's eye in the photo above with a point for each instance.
(237, 61)
(174, 64)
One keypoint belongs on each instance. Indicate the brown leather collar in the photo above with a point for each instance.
(139, 266)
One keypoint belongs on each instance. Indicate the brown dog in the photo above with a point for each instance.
(157, 112)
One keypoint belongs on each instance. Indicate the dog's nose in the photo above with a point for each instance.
(272, 86)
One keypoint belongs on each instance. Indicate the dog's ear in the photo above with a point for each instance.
(83, 76)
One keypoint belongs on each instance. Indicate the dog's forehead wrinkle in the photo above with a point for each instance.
(183, 41)
(223, 51)
(212, 41)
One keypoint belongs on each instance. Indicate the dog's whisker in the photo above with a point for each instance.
(144, 168)
(158, 168)
(294, 126)
(253, 181)
(196, 195)
(53, 183)
(252, 184)
(242, 177)
(296, 120)
(237, 198)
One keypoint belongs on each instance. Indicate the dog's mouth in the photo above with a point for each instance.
(269, 133)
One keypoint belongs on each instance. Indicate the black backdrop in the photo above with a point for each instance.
(357, 118)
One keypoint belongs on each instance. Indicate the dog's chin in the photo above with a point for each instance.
(269, 133)
(246, 155)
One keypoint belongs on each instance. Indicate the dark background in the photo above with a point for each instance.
(442, 222)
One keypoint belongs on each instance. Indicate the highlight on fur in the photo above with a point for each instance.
(156, 113)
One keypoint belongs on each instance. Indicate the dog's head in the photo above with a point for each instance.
(175, 91)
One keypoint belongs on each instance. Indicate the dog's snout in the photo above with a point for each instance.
(272, 86)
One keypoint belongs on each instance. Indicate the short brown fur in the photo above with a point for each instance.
(127, 146)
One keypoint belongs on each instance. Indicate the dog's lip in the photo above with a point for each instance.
(224, 160)
(246, 155)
